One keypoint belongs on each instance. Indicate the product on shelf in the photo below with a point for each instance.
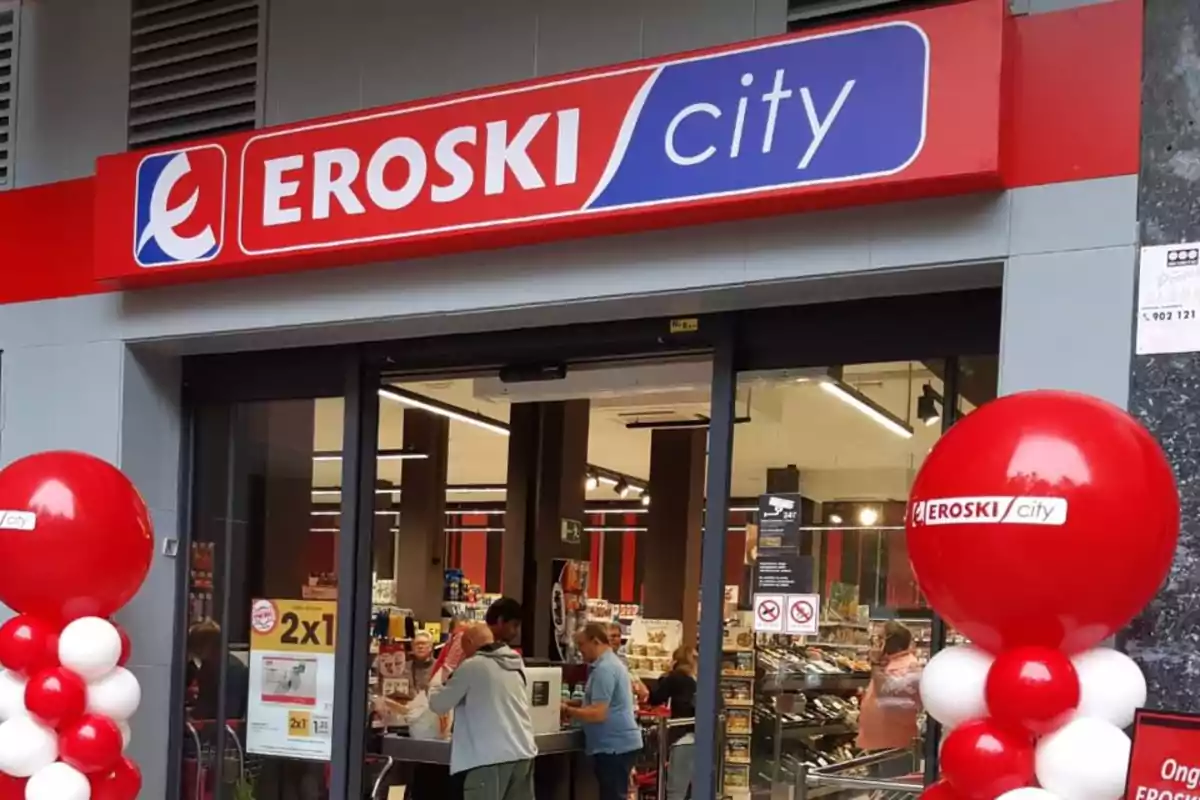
(737, 750)
(651, 644)
(738, 721)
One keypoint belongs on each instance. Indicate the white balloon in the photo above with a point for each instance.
(12, 695)
(1112, 686)
(89, 647)
(126, 734)
(952, 685)
(26, 746)
(115, 696)
(1028, 793)
(58, 781)
(1086, 759)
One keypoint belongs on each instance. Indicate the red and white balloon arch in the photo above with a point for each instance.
(75, 546)
(1038, 527)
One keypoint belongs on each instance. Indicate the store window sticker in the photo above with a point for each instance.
(990, 510)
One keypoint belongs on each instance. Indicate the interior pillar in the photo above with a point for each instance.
(421, 547)
(671, 589)
(547, 468)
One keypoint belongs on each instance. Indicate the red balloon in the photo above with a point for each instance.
(983, 760)
(1043, 518)
(126, 645)
(1034, 689)
(90, 744)
(56, 696)
(12, 788)
(121, 783)
(28, 644)
(75, 537)
(940, 790)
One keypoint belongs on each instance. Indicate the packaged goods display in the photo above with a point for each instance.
(651, 643)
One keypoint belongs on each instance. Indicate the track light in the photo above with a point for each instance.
(835, 519)
(927, 410)
(591, 482)
(868, 407)
(622, 488)
(645, 498)
(442, 409)
(868, 516)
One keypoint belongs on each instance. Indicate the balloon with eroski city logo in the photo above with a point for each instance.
(1043, 518)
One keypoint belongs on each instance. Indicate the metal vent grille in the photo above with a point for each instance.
(8, 90)
(194, 69)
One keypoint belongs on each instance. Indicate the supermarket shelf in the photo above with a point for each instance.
(801, 683)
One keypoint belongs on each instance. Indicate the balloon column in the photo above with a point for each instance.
(75, 545)
(1039, 526)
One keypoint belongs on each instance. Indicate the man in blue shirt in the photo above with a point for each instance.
(607, 714)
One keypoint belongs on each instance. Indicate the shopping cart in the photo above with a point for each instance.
(200, 760)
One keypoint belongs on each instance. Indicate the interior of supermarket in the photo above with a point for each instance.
(581, 493)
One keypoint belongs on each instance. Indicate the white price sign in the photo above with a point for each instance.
(1168, 306)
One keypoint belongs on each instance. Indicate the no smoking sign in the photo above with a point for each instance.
(769, 613)
(803, 614)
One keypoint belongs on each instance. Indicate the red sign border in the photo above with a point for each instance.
(1183, 720)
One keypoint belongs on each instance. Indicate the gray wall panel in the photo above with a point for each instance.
(1065, 323)
(675, 25)
(1071, 216)
(378, 52)
(307, 66)
(73, 87)
(576, 34)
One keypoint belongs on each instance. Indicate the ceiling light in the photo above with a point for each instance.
(927, 410)
(442, 410)
(382, 455)
(646, 499)
(591, 481)
(868, 516)
(868, 407)
(622, 488)
(835, 519)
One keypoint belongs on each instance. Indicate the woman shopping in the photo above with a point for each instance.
(678, 689)
(888, 718)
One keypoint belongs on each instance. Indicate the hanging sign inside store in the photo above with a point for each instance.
(907, 105)
(290, 708)
(1168, 308)
(789, 573)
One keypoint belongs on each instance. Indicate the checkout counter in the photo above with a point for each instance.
(562, 771)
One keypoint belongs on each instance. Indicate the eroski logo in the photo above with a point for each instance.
(990, 510)
(180, 206)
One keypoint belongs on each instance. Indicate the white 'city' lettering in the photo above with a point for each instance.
(1000, 509)
(819, 123)
(337, 176)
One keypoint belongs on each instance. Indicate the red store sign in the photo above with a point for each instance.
(1165, 761)
(901, 106)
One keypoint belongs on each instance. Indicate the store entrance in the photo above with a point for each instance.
(360, 517)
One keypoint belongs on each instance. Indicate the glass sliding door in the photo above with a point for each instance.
(269, 566)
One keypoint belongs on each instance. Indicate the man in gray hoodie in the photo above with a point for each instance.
(493, 745)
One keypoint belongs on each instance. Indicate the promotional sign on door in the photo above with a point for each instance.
(290, 708)
(1164, 763)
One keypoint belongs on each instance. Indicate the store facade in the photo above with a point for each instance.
(980, 203)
